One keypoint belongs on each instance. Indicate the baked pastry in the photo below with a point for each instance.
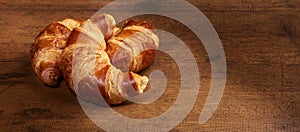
(47, 48)
(87, 69)
(96, 57)
(134, 48)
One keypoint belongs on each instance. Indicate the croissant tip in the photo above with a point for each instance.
(50, 77)
(143, 84)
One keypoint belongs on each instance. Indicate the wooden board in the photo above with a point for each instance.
(261, 40)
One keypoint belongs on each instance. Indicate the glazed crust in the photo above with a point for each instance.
(134, 48)
(95, 57)
(87, 69)
(46, 50)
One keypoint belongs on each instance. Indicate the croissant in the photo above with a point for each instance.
(95, 56)
(46, 50)
(134, 48)
(87, 69)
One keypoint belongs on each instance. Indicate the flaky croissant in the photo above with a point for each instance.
(134, 48)
(85, 62)
(46, 50)
(94, 56)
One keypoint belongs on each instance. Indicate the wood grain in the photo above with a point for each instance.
(261, 43)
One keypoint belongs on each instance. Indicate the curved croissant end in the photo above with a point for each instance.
(134, 48)
(46, 50)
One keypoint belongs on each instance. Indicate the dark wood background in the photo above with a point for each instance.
(261, 40)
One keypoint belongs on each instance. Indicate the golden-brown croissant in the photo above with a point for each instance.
(46, 50)
(134, 48)
(84, 62)
(90, 66)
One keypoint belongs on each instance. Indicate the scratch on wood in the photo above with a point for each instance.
(4, 90)
(288, 30)
(33, 111)
(4, 76)
(12, 60)
(292, 35)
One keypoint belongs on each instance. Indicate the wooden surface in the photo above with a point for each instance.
(261, 40)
